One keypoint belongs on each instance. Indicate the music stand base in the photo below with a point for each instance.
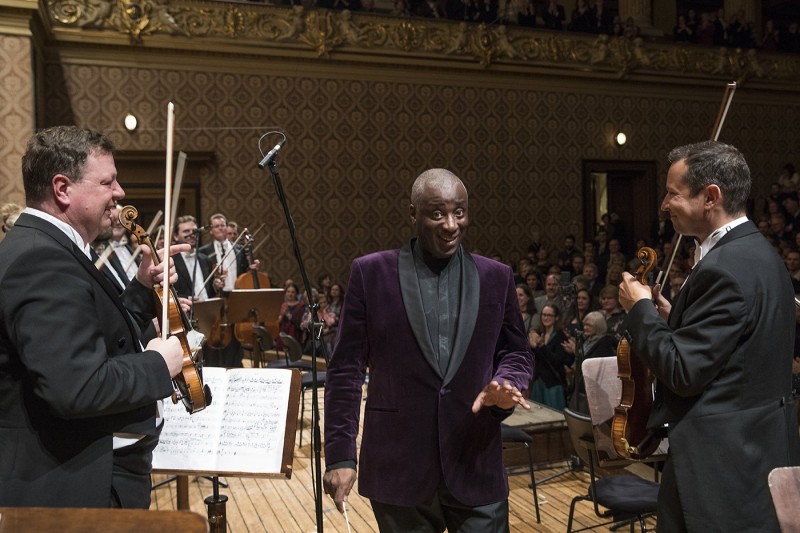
(217, 517)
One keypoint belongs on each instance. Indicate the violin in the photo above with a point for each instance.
(249, 280)
(629, 431)
(188, 384)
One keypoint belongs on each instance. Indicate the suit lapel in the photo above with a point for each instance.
(467, 313)
(739, 231)
(412, 300)
(59, 236)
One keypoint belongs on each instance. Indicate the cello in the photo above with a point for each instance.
(629, 433)
(188, 384)
(249, 280)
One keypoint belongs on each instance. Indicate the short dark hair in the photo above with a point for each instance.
(716, 163)
(58, 150)
(183, 220)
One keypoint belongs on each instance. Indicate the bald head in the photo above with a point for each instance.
(439, 179)
(439, 212)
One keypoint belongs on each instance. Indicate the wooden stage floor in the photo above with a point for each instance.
(278, 505)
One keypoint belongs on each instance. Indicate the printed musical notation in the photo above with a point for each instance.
(242, 431)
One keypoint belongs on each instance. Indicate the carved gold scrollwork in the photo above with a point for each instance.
(324, 31)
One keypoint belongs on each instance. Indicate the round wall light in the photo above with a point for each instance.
(131, 122)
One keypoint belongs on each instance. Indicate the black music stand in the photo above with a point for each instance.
(254, 305)
(205, 313)
(249, 305)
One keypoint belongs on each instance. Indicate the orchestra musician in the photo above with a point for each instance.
(441, 332)
(78, 393)
(721, 353)
(233, 263)
(193, 267)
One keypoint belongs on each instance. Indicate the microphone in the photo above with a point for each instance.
(271, 154)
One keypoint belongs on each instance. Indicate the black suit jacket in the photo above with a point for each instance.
(723, 368)
(241, 260)
(184, 286)
(72, 372)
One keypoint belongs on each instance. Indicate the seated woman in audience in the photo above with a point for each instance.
(530, 318)
(291, 316)
(594, 343)
(578, 311)
(534, 281)
(612, 312)
(546, 342)
(614, 274)
(336, 299)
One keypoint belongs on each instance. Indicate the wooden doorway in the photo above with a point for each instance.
(626, 188)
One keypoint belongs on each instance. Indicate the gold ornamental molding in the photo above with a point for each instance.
(258, 29)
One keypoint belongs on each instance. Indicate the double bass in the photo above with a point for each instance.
(188, 384)
(629, 432)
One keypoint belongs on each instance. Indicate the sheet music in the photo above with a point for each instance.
(241, 431)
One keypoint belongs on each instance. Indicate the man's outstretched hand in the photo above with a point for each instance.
(504, 396)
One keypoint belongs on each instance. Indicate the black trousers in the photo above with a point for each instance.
(670, 511)
(130, 476)
(443, 511)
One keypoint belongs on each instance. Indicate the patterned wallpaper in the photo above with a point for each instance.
(16, 110)
(355, 144)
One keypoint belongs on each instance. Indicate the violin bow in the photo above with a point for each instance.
(167, 220)
(727, 98)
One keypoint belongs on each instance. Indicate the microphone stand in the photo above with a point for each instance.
(316, 448)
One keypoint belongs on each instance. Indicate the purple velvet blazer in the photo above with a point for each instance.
(419, 430)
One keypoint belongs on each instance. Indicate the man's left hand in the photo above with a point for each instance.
(631, 291)
(504, 396)
(149, 274)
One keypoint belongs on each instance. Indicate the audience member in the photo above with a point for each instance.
(550, 377)
(581, 19)
(554, 16)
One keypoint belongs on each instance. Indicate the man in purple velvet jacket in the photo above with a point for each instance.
(441, 334)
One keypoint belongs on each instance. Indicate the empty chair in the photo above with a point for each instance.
(516, 436)
(624, 496)
(292, 354)
(262, 343)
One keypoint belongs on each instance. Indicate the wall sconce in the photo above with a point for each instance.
(621, 139)
(131, 122)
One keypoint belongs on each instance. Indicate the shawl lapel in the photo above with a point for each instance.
(412, 301)
(467, 313)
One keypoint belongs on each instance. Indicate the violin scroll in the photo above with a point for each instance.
(188, 384)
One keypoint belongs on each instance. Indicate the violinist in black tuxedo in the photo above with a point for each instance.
(193, 267)
(78, 392)
(721, 353)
